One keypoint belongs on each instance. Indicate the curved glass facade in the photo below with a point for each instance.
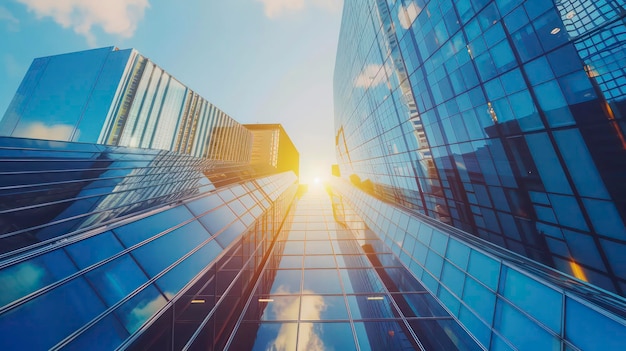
(108, 242)
(501, 118)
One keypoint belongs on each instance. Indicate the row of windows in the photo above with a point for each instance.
(128, 274)
(490, 296)
(510, 113)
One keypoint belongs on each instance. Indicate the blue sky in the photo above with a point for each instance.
(266, 61)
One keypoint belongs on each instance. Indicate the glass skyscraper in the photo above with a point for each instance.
(477, 204)
(496, 126)
(119, 97)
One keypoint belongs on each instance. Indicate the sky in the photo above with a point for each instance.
(260, 61)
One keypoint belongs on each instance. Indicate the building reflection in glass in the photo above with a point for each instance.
(330, 284)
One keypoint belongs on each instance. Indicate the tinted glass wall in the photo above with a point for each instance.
(503, 118)
(100, 242)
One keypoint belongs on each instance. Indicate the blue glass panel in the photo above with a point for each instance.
(105, 335)
(184, 272)
(320, 261)
(116, 279)
(458, 253)
(577, 88)
(450, 301)
(568, 211)
(215, 220)
(44, 109)
(580, 164)
(387, 335)
(323, 281)
(453, 278)
(266, 336)
(442, 335)
(160, 253)
(204, 204)
(276, 308)
(590, 330)
(231, 233)
(605, 218)
(551, 173)
(509, 322)
(141, 307)
(485, 269)
(280, 282)
(95, 249)
(318, 307)
(132, 233)
(75, 301)
(331, 336)
(419, 305)
(360, 281)
(479, 299)
(371, 306)
(24, 278)
(538, 71)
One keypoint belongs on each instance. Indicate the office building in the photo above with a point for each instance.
(119, 97)
(272, 147)
(496, 126)
(472, 208)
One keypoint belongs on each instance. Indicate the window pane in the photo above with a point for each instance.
(135, 232)
(116, 279)
(160, 253)
(24, 278)
(135, 312)
(94, 249)
(75, 301)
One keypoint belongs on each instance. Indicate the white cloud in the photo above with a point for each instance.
(118, 17)
(277, 8)
(13, 24)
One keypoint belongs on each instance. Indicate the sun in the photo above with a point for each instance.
(316, 180)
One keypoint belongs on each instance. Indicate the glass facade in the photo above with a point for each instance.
(109, 242)
(502, 118)
(119, 97)
(506, 301)
(331, 284)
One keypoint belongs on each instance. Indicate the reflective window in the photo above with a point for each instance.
(163, 251)
(136, 311)
(323, 281)
(442, 334)
(325, 336)
(24, 278)
(116, 279)
(95, 249)
(75, 300)
(318, 307)
(132, 233)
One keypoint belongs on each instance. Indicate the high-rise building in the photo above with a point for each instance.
(272, 147)
(495, 126)
(476, 205)
(119, 97)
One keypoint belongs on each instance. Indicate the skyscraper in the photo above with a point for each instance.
(474, 205)
(497, 124)
(119, 97)
(272, 147)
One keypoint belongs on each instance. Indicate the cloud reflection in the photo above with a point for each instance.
(308, 337)
(37, 130)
